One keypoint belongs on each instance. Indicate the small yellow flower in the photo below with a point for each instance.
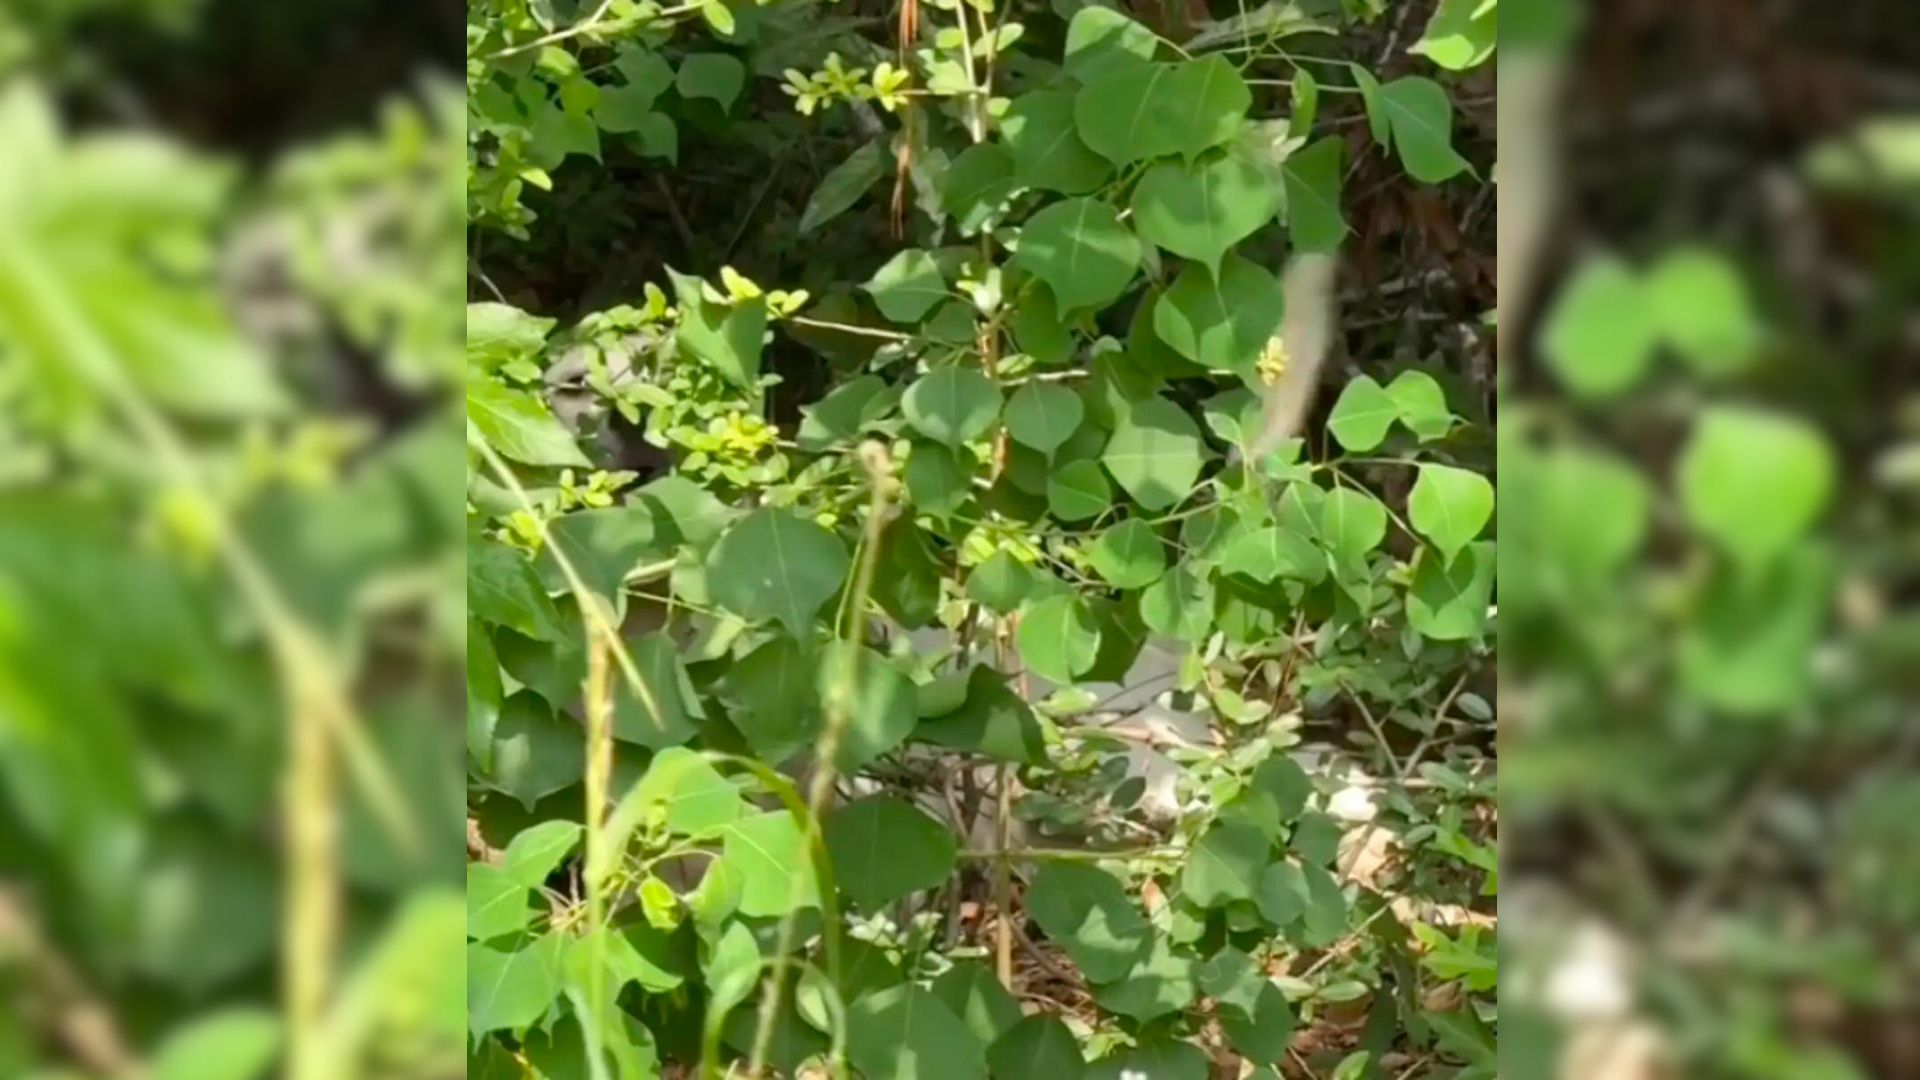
(1273, 361)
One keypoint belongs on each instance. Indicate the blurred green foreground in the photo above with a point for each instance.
(231, 607)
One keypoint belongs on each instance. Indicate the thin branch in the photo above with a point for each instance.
(585, 25)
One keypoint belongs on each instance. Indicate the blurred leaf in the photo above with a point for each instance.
(235, 1044)
(844, 185)
(1754, 482)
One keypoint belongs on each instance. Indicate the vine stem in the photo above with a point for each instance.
(599, 706)
(841, 691)
(1067, 854)
(849, 328)
(585, 25)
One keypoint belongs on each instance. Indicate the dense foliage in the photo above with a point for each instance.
(861, 401)
(230, 582)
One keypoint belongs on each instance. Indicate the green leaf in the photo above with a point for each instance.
(645, 70)
(511, 990)
(772, 564)
(884, 849)
(1077, 491)
(683, 511)
(725, 337)
(1179, 605)
(1422, 120)
(496, 903)
(484, 694)
(978, 186)
(733, 962)
(1043, 415)
(1588, 513)
(1599, 336)
(1352, 523)
(1159, 983)
(1038, 329)
(1421, 403)
(1311, 178)
(991, 720)
(978, 999)
(1449, 506)
(1081, 250)
(844, 412)
(1304, 100)
(1199, 209)
(1282, 779)
(1045, 145)
(1281, 895)
(881, 710)
(844, 186)
(1000, 583)
(669, 712)
(624, 110)
(906, 1033)
(534, 752)
(498, 334)
(1749, 647)
(1362, 415)
(1378, 124)
(777, 687)
(1225, 864)
(1129, 555)
(1232, 979)
(1155, 453)
(1131, 113)
(716, 76)
(236, 1043)
(502, 590)
(1701, 307)
(1326, 917)
(1122, 636)
(1276, 551)
(719, 16)
(908, 286)
(1315, 839)
(535, 852)
(517, 425)
(1039, 1047)
(1160, 1057)
(1100, 39)
(602, 546)
(769, 853)
(907, 579)
(659, 138)
(684, 792)
(1754, 482)
(1086, 911)
(1058, 638)
(1447, 601)
(939, 480)
(1264, 1032)
(1460, 35)
(1464, 1034)
(952, 404)
(1222, 321)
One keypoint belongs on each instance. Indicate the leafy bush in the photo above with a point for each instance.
(859, 407)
